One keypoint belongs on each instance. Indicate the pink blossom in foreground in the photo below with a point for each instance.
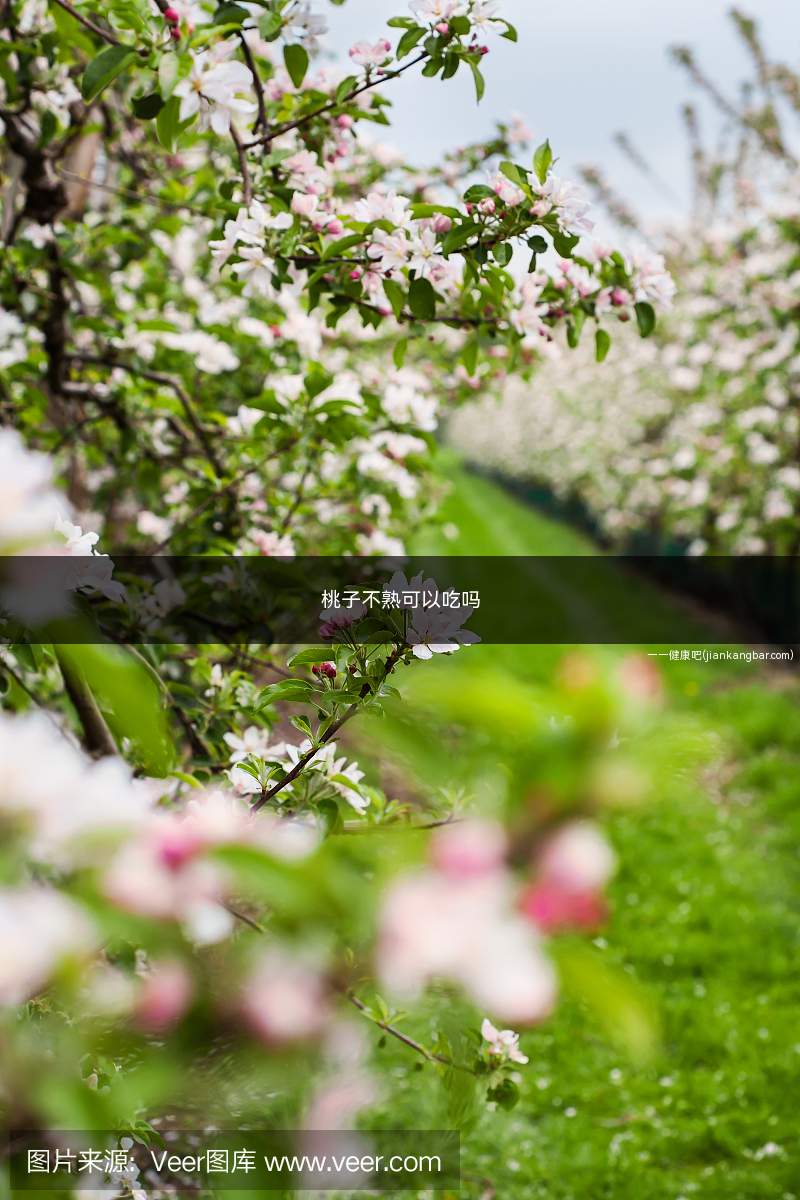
(468, 849)
(573, 867)
(285, 1000)
(433, 926)
(39, 929)
(578, 858)
(165, 995)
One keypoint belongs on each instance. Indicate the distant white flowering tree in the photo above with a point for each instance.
(694, 436)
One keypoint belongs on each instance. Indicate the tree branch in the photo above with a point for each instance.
(394, 1032)
(247, 183)
(331, 732)
(105, 34)
(169, 381)
(331, 104)
(261, 121)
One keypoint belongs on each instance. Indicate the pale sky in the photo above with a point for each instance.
(582, 70)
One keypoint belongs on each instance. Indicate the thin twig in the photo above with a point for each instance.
(261, 120)
(247, 183)
(331, 732)
(394, 1032)
(169, 381)
(319, 112)
(105, 34)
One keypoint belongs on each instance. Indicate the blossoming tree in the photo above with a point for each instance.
(229, 321)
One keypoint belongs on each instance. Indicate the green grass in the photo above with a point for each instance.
(705, 915)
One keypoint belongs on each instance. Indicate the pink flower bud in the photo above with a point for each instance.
(384, 310)
(619, 297)
(165, 996)
(328, 669)
(487, 207)
(276, 331)
(443, 28)
(470, 208)
(356, 273)
(442, 223)
(335, 227)
(344, 121)
(172, 15)
(484, 49)
(175, 33)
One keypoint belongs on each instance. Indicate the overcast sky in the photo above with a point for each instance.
(582, 70)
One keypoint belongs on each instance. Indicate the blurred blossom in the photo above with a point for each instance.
(572, 869)
(39, 929)
(466, 849)
(164, 995)
(433, 926)
(285, 999)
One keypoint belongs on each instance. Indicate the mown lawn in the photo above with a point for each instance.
(705, 916)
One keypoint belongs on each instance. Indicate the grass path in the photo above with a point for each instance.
(706, 915)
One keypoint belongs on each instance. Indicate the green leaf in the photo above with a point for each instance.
(167, 74)
(542, 161)
(514, 173)
(168, 123)
(230, 14)
(459, 236)
(396, 296)
(625, 1011)
(565, 243)
(296, 59)
(575, 327)
(506, 1094)
(312, 654)
(478, 191)
(469, 356)
(288, 691)
(510, 32)
(104, 69)
(422, 299)
(399, 352)
(129, 698)
(345, 88)
(420, 211)
(602, 345)
(502, 254)
(480, 82)
(410, 39)
(147, 107)
(645, 318)
(337, 248)
(317, 379)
